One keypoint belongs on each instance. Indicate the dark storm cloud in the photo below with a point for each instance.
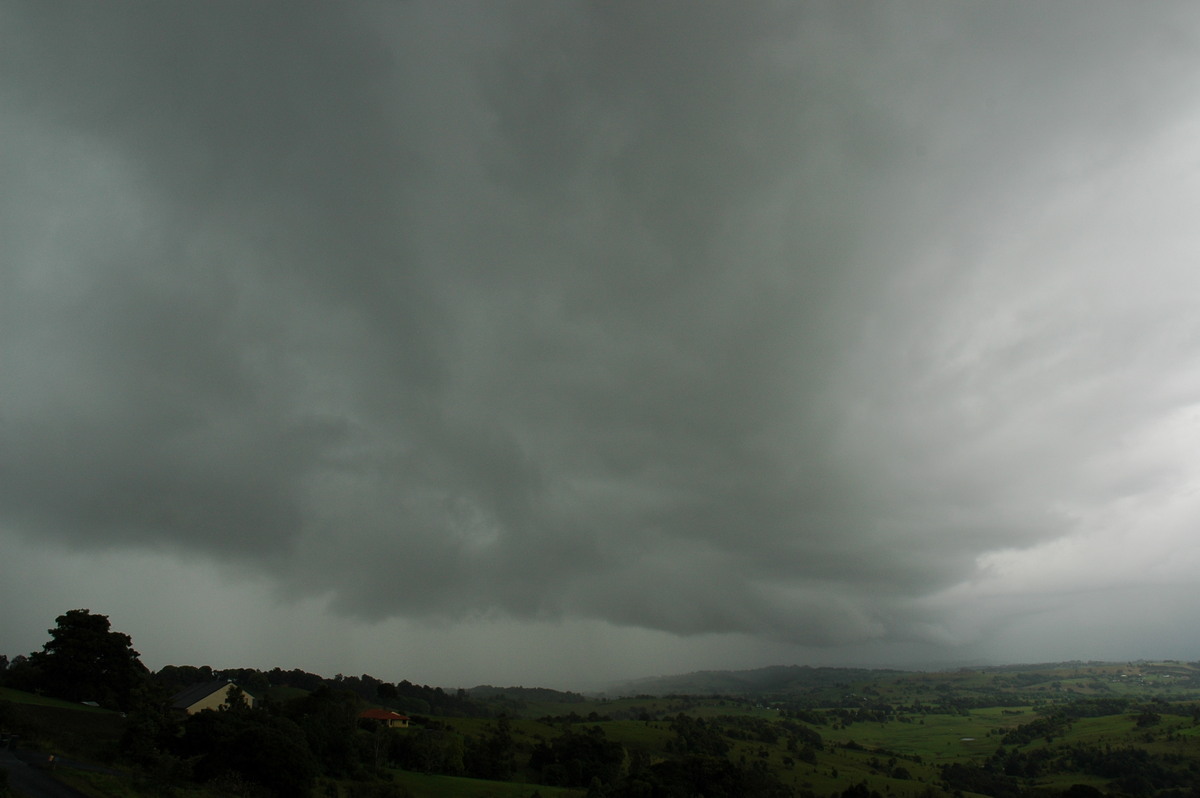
(248, 140)
(620, 310)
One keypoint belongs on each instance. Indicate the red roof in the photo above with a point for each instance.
(381, 714)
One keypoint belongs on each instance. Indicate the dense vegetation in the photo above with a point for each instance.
(1073, 729)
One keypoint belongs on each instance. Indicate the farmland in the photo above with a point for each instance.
(1119, 729)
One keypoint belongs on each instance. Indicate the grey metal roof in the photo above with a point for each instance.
(185, 698)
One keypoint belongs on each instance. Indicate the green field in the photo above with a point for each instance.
(61, 726)
(31, 699)
(897, 733)
(432, 786)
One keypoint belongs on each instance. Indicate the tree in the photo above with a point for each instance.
(86, 661)
(150, 726)
(493, 755)
(329, 720)
(22, 675)
(256, 747)
(575, 759)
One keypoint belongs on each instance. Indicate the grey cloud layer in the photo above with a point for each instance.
(628, 311)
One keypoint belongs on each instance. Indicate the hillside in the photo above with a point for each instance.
(1071, 729)
(772, 679)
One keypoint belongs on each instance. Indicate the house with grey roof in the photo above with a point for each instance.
(207, 695)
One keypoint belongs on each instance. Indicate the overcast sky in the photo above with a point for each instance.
(555, 342)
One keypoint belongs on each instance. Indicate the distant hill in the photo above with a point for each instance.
(784, 681)
(771, 679)
(487, 692)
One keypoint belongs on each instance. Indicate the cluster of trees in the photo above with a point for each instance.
(280, 747)
(430, 748)
(1047, 728)
(697, 764)
(286, 742)
(696, 761)
(305, 727)
(1129, 770)
(403, 696)
(575, 758)
(84, 660)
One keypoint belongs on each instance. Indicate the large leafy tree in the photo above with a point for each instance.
(86, 661)
(266, 750)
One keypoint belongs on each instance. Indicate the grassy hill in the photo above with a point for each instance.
(63, 727)
(831, 683)
(773, 679)
(1118, 728)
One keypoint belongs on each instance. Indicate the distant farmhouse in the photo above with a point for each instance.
(393, 720)
(209, 695)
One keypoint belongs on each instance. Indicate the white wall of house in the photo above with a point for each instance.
(216, 700)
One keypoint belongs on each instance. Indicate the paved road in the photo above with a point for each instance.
(28, 781)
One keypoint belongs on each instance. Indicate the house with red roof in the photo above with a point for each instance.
(393, 720)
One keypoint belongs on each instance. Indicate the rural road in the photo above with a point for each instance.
(27, 781)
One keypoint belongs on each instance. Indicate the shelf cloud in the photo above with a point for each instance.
(737, 333)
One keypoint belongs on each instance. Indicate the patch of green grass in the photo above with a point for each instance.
(630, 708)
(1057, 782)
(539, 709)
(99, 785)
(90, 736)
(1107, 728)
(837, 769)
(21, 697)
(109, 785)
(637, 734)
(282, 693)
(430, 786)
(936, 738)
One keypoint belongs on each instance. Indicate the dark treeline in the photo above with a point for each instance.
(84, 660)
(1128, 771)
(525, 694)
(302, 727)
(305, 735)
(402, 696)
